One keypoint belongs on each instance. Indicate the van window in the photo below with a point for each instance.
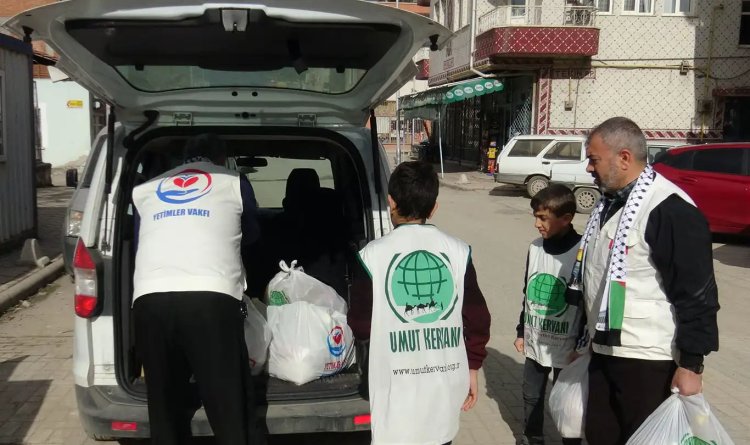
(723, 160)
(566, 151)
(528, 148)
(88, 171)
(269, 182)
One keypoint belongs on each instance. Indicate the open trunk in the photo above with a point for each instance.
(322, 230)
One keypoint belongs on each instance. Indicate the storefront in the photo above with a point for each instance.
(469, 115)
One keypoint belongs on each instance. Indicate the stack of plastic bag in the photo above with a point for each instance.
(681, 420)
(569, 396)
(307, 318)
(257, 335)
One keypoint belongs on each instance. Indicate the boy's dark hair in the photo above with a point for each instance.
(414, 186)
(556, 198)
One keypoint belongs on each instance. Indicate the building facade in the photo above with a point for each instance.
(679, 68)
(68, 117)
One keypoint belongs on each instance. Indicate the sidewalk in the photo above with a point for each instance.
(458, 177)
(52, 203)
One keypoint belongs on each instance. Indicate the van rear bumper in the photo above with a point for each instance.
(100, 406)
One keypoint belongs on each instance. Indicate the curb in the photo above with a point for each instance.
(30, 283)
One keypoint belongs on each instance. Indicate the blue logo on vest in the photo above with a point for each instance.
(336, 344)
(185, 186)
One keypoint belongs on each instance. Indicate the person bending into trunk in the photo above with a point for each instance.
(187, 297)
(415, 297)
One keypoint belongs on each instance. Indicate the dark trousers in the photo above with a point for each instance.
(623, 392)
(200, 334)
(535, 377)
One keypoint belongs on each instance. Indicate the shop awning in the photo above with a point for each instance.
(451, 93)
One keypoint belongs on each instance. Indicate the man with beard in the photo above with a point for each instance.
(646, 273)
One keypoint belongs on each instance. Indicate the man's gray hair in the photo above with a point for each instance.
(619, 133)
(207, 145)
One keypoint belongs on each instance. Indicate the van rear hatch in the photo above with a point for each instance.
(333, 58)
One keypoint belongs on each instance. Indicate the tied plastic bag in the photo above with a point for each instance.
(569, 396)
(293, 284)
(681, 420)
(309, 342)
(257, 335)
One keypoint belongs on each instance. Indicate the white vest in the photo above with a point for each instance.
(419, 372)
(648, 326)
(550, 325)
(190, 232)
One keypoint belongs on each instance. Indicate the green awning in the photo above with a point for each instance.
(452, 93)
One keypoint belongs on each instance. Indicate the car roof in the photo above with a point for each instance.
(715, 146)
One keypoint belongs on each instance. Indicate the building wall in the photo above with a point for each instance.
(17, 175)
(65, 127)
(636, 73)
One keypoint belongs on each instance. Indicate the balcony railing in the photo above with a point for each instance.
(564, 15)
(579, 16)
(510, 16)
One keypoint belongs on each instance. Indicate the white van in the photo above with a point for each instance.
(289, 85)
(527, 160)
(574, 175)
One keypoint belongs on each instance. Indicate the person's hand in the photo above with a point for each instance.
(573, 356)
(687, 382)
(519, 345)
(471, 399)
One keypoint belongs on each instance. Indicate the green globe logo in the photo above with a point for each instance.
(693, 440)
(421, 287)
(546, 294)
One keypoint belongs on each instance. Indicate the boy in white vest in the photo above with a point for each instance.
(548, 326)
(415, 297)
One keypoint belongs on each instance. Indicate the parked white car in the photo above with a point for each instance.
(288, 85)
(574, 175)
(527, 160)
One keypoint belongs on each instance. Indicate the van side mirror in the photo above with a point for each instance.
(71, 177)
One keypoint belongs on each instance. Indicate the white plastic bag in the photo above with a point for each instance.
(681, 420)
(257, 336)
(569, 396)
(309, 342)
(293, 284)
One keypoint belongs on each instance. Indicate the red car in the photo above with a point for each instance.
(717, 177)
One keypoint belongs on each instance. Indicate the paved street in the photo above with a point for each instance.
(36, 386)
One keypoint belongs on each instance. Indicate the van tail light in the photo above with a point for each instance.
(124, 426)
(84, 269)
(363, 419)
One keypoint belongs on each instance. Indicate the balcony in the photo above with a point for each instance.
(422, 60)
(536, 31)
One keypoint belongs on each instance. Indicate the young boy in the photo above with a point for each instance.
(548, 326)
(415, 297)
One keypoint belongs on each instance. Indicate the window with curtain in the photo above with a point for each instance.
(679, 7)
(604, 6)
(745, 23)
(638, 6)
(450, 14)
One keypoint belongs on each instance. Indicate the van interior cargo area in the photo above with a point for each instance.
(313, 203)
